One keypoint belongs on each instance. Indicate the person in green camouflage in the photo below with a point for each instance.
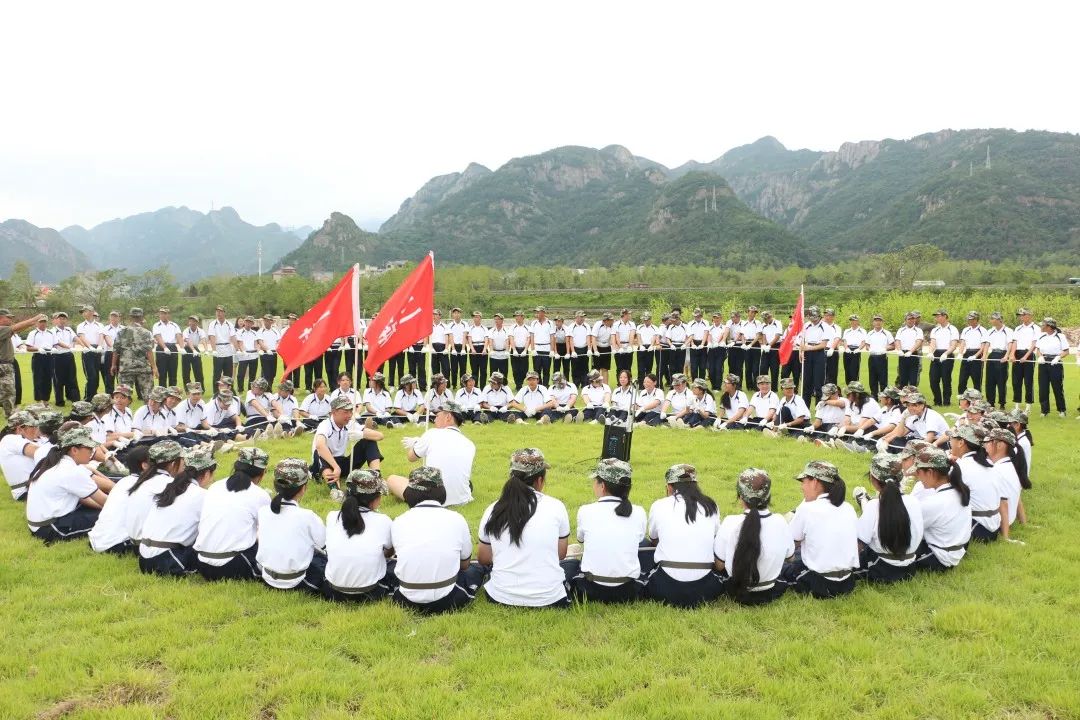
(133, 360)
(7, 357)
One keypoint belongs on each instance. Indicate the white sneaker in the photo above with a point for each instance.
(594, 422)
(1061, 414)
(802, 439)
(568, 418)
(228, 446)
(770, 433)
(679, 422)
(642, 423)
(671, 421)
(545, 420)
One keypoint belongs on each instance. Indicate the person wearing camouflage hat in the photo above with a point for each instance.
(377, 404)
(531, 400)
(1023, 357)
(920, 422)
(331, 458)
(438, 394)
(284, 415)
(891, 527)
(1012, 473)
(702, 408)
(495, 399)
(17, 449)
(646, 340)
(66, 497)
(973, 348)
(753, 573)
(81, 411)
(258, 413)
(520, 338)
(247, 354)
(622, 341)
(679, 402)
(444, 448)
(468, 399)
(861, 413)
(228, 531)
(10, 379)
(736, 406)
(817, 337)
(1052, 347)
(909, 341)
(597, 396)
(988, 506)
(944, 345)
(828, 418)
(223, 414)
(792, 413)
(879, 341)
(193, 343)
(945, 499)
(764, 406)
(357, 541)
(409, 404)
(564, 396)
(291, 552)
(826, 529)
(1018, 423)
(134, 362)
(1000, 342)
(168, 338)
(151, 419)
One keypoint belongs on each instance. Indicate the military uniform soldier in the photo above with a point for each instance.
(7, 358)
(134, 362)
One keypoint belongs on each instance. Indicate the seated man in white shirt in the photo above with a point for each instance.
(531, 400)
(446, 448)
(331, 460)
(468, 398)
(792, 413)
(495, 400)
(919, 423)
(564, 394)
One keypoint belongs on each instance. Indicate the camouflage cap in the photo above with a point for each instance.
(612, 470)
(698, 311)
(407, 380)
(764, 380)
(261, 383)
(607, 316)
(174, 392)
(916, 398)
(971, 394)
(579, 314)
(453, 408)
(225, 395)
(1019, 416)
(855, 387)
(557, 378)
(1050, 322)
(1023, 311)
(892, 392)
(595, 375)
(941, 312)
(1000, 418)
(341, 402)
(194, 387)
(1001, 435)
(253, 456)
(81, 409)
(729, 378)
(224, 380)
(519, 313)
(436, 379)
(719, 314)
(932, 458)
(166, 451)
(22, 418)
(477, 313)
(767, 313)
(970, 433)
(267, 316)
(36, 409)
(886, 467)
(700, 384)
(4, 312)
(980, 406)
(532, 375)
(529, 461)
(754, 484)
(829, 389)
(878, 316)
(916, 314)
(77, 437)
(646, 315)
(425, 477)
(813, 311)
(467, 377)
(136, 312)
(60, 314)
(680, 472)
(498, 316)
(291, 473)
(852, 317)
(996, 315)
(912, 447)
(286, 385)
(497, 377)
(973, 315)
(624, 311)
(787, 384)
(378, 377)
(199, 459)
(366, 482)
(157, 394)
(49, 421)
(987, 424)
(820, 470)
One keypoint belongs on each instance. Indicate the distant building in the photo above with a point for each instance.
(284, 272)
(322, 276)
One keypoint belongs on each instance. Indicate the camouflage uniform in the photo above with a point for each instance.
(131, 348)
(7, 370)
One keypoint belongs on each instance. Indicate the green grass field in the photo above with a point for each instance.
(87, 636)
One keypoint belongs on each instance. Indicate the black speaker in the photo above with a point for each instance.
(616, 442)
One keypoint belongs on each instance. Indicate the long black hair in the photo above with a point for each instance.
(691, 494)
(1019, 458)
(243, 475)
(179, 485)
(351, 516)
(836, 490)
(894, 523)
(137, 457)
(51, 460)
(414, 497)
(744, 570)
(150, 471)
(515, 506)
(956, 479)
(625, 507)
(282, 495)
(980, 456)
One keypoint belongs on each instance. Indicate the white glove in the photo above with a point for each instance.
(102, 350)
(763, 422)
(166, 350)
(858, 433)
(781, 427)
(721, 426)
(212, 432)
(573, 354)
(171, 431)
(562, 408)
(829, 352)
(860, 494)
(590, 352)
(1056, 360)
(808, 429)
(408, 442)
(881, 445)
(412, 417)
(136, 435)
(1041, 360)
(835, 432)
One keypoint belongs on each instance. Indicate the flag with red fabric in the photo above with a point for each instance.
(405, 318)
(336, 315)
(792, 334)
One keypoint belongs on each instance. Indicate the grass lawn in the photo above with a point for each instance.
(87, 636)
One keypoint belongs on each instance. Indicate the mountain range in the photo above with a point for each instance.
(49, 256)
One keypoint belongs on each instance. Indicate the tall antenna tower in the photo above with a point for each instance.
(258, 253)
(988, 156)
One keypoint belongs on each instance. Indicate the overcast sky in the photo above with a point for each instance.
(288, 111)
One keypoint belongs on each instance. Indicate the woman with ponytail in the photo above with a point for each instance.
(825, 528)
(172, 525)
(751, 547)
(110, 531)
(891, 525)
(989, 496)
(63, 500)
(523, 537)
(1000, 447)
(683, 527)
(228, 527)
(358, 542)
(164, 462)
(946, 509)
(612, 529)
(292, 539)
(1018, 422)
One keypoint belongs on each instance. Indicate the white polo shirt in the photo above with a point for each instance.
(438, 334)
(91, 332)
(1052, 343)
(878, 341)
(66, 336)
(469, 401)
(579, 334)
(868, 529)
(1009, 485)
(111, 528)
(176, 523)
(43, 340)
(650, 400)
(611, 542)
(229, 521)
(378, 399)
(830, 414)
(907, 337)
(351, 393)
(870, 410)
(287, 542)
(119, 422)
(943, 336)
(624, 330)
(520, 335)
(796, 406)
(987, 491)
(762, 404)
(337, 437)
(828, 534)
(999, 338)
(595, 394)
(15, 465)
(541, 332)
(430, 542)
(58, 491)
(269, 336)
(215, 414)
(946, 523)
(150, 422)
(221, 334)
(533, 400)
(776, 545)
(529, 574)
(452, 453)
(500, 343)
(716, 334)
(929, 421)
(973, 337)
(622, 398)
(1025, 337)
(357, 561)
(167, 331)
(195, 337)
(679, 400)
(477, 334)
(563, 395)
(189, 414)
(408, 401)
(496, 399)
(287, 404)
(646, 335)
(679, 540)
(140, 502)
(706, 402)
(854, 337)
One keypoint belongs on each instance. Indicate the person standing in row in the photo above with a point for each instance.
(792, 369)
(90, 334)
(648, 336)
(771, 333)
(1053, 347)
(716, 353)
(577, 347)
(65, 384)
(600, 343)
(498, 348)
(168, 337)
(520, 340)
(815, 340)
(194, 339)
(439, 340)
(266, 340)
(944, 340)
(752, 356)
(247, 356)
(40, 342)
(851, 342)
(8, 329)
(134, 360)
(331, 356)
(973, 349)
(477, 344)
(1000, 345)
(111, 330)
(879, 341)
(1023, 358)
(624, 329)
(832, 360)
(909, 341)
(697, 337)
(541, 332)
(222, 337)
(458, 331)
(558, 346)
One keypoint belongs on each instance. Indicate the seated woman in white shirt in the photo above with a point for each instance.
(110, 532)
(434, 547)
(891, 525)
(764, 406)
(612, 529)
(792, 414)
(257, 406)
(408, 403)
(650, 401)
(523, 538)
(597, 397)
(315, 407)
(862, 411)
(1000, 444)
(1018, 423)
(227, 542)
(469, 398)
(946, 508)
(223, 415)
(345, 388)
(565, 394)
(63, 498)
(735, 406)
(172, 524)
(889, 415)
(682, 526)
(438, 394)
(752, 546)
(17, 448)
(828, 417)
(989, 495)
(292, 539)
(621, 398)
(284, 411)
(164, 462)
(702, 406)
(378, 404)
(358, 542)
(678, 402)
(825, 527)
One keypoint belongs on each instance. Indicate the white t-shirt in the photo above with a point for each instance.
(776, 545)
(59, 490)
(452, 453)
(830, 414)
(496, 399)
(249, 405)
(987, 491)
(379, 400)
(318, 408)
(796, 406)
(139, 503)
(1010, 485)
(117, 421)
(111, 528)
(176, 523)
(190, 415)
(594, 394)
(929, 421)
(829, 536)
(469, 401)
(611, 542)
(215, 414)
(15, 465)
(878, 341)
(430, 542)
(358, 561)
(529, 574)
(408, 401)
(737, 402)
(149, 422)
(868, 529)
(679, 400)
(946, 524)
(287, 542)
(533, 400)
(681, 541)
(870, 410)
(221, 334)
(337, 437)
(229, 521)
(562, 395)
(762, 404)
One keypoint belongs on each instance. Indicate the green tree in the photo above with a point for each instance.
(22, 285)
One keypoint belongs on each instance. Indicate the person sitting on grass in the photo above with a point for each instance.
(825, 528)
(433, 547)
(612, 529)
(683, 528)
(649, 403)
(702, 407)
(172, 525)
(292, 539)
(523, 538)
(358, 542)
(227, 543)
(751, 546)
(531, 401)
(17, 448)
(1000, 446)
(891, 525)
(110, 532)
(63, 498)
(164, 462)
(989, 496)
(408, 403)
(330, 456)
(946, 509)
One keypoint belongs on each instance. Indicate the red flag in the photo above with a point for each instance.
(792, 334)
(336, 315)
(405, 318)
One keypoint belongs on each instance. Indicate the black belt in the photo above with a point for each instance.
(352, 591)
(838, 574)
(984, 513)
(162, 545)
(852, 348)
(679, 565)
(1048, 358)
(285, 576)
(219, 555)
(16, 486)
(997, 353)
(477, 345)
(613, 580)
(428, 586)
(676, 344)
(897, 558)
(951, 548)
